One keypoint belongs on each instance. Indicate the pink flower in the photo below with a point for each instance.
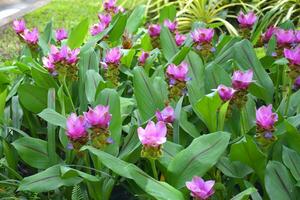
(179, 72)
(200, 189)
(110, 5)
(202, 35)
(225, 93)
(98, 117)
(180, 39)
(76, 128)
(72, 56)
(297, 36)
(19, 26)
(143, 57)
(120, 9)
(49, 64)
(55, 54)
(154, 30)
(265, 118)
(105, 19)
(293, 55)
(153, 135)
(61, 34)
(97, 28)
(246, 20)
(167, 115)
(269, 33)
(113, 56)
(31, 37)
(284, 37)
(172, 26)
(241, 80)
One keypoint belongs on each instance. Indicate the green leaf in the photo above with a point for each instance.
(32, 97)
(43, 79)
(78, 34)
(202, 154)
(159, 190)
(278, 183)
(47, 180)
(92, 81)
(291, 159)
(170, 150)
(136, 19)
(188, 126)
(167, 12)
(53, 117)
(67, 172)
(234, 169)
(147, 98)
(111, 98)
(33, 151)
(245, 194)
(118, 29)
(248, 153)
(168, 45)
(207, 109)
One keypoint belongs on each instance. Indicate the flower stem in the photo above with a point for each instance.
(68, 93)
(288, 97)
(152, 162)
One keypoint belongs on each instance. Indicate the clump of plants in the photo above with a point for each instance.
(124, 109)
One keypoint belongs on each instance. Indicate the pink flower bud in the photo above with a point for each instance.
(105, 19)
(269, 33)
(143, 57)
(153, 135)
(97, 28)
(201, 189)
(242, 80)
(72, 57)
(225, 93)
(284, 37)
(265, 118)
(98, 117)
(76, 128)
(49, 64)
(31, 37)
(293, 55)
(19, 26)
(61, 34)
(110, 5)
(179, 72)
(172, 26)
(154, 30)
(202, 35)
(167, 115)
(246, 20)
(180, 39)
(113, 56)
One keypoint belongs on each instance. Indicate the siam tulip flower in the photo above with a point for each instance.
(269, 33)
(72, 57)
(202, 35)
(167, 115)
(297, 83)
(179, 39)
(49, 64)
(55, 54)
(265, 118)
(293, 55)
(154, 30)
(172, 26)
(284, 37)
(110, 5)
(246, 20)
(31, 37)
(97, 28)
(225, 93)
(76, 127)
(98, 117)
(200, 189)
(113, 56)
(153, 135)
(105, 19)
(242, 80)
(178, 73)
(19, 26)
(143, 57)
(61, 34)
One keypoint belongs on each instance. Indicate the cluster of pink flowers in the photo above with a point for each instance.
(240, 82)
(104, 21)
(167, 115)
(172, 26)
(246, 20)
(61, 34)
(60, 58)
(177, 73)
(154, 30)
(95, 119)
(201, 189)
(112, 58)
(293, 55)
(31, 37)
(110, 6)
(284, 37)
(202, 36)
(265, 121)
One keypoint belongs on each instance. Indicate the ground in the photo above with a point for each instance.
(64, 13)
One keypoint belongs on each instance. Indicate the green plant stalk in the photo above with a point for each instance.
(288, 97)
(277, 86)
(68, 92)
(51, 129)
(242, 119)
(155, 174)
